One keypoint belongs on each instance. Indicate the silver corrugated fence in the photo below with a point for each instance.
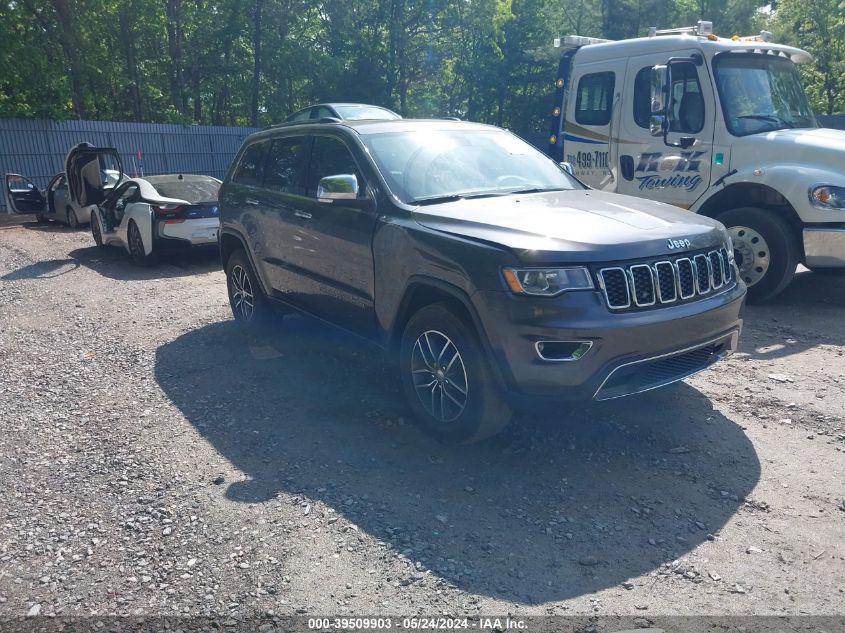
(37, 148)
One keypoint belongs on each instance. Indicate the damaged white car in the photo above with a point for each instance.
(147, 215)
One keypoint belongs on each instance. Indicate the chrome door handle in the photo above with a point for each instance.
(252, 201)
(302, 214)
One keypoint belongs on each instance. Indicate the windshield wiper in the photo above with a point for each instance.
(768, 117)
(454, 197)
(534, 190)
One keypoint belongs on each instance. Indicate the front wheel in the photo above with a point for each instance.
(447, 380)
(96, 233)
(250, 307)
(765, 250)
(136, 247)
(72, 220)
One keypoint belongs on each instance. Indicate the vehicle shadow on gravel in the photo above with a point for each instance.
(560, 506)
(42, 270)
(806, 314)
(114, 263)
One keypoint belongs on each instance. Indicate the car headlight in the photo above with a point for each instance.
(547, 282)
(827, 197)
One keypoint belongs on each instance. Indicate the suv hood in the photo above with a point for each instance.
(820, 147)
(574, 226)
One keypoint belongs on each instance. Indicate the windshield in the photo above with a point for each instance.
(193, 190)
(364, 112)
(760, 93)
(431, 164)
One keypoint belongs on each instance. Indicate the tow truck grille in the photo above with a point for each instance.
(641, 285)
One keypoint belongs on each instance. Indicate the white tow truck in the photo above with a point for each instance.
(720, 126)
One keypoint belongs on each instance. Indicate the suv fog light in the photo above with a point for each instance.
(562, 351)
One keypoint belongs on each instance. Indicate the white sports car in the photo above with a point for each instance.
(146, 215)
(91, 173)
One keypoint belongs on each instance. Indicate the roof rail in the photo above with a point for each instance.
(325, 119)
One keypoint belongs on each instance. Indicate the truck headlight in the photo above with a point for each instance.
(547, 282)
(827, 197)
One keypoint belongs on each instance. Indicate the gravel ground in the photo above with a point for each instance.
(156, 462)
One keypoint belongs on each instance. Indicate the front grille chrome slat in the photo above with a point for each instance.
(642, 285)
(702, 274)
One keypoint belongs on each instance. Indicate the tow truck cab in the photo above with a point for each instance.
(718, 126)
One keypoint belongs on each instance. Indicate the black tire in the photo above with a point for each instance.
(251, 309)
(40, 219)
(72, 220)
(765, 249)
(96, 232)
(136, 247)
(484, 411)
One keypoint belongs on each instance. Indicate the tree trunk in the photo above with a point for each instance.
(175, 45)
(68, 37)
(256, 72)
(128, 40)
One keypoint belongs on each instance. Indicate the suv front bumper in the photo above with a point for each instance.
(630, 352)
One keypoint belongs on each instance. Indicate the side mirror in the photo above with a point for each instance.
(659, 92)
(339, 187)
(568, 168)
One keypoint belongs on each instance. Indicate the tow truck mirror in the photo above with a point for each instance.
(659, 81)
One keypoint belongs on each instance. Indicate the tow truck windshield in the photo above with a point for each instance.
(761, 93)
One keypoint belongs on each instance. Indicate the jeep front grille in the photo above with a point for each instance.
(646, 284)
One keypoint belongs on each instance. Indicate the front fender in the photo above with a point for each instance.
(793, 182)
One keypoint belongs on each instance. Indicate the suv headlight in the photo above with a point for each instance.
(547, 282)
(827, 197)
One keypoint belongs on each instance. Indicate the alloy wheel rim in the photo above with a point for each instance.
(135, 242)
(751, 252)
(439, 376)
(243, 299)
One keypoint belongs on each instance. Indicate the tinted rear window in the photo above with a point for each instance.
(193, 191)
(251, 165)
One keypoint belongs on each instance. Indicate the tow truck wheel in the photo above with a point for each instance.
(765, 250)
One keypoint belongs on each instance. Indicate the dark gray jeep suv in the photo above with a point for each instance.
(494, 277)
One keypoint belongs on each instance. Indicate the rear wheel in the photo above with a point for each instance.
(136, 247)
(72, 220)
(447, 380)
(765, 250)
(250, 307)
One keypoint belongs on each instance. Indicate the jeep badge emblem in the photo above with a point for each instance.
(673, 244)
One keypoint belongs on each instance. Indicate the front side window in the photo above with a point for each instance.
(330, 157)
(760, 93)
(686, 101)
(251, 165)
(594, 100)
(430, 164)
(284, 165)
